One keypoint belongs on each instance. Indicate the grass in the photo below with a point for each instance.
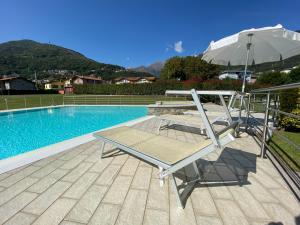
(289, 153)
(28, 101)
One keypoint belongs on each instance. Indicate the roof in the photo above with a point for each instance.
(135, 78)
(13, 78)
(89, 78)
(8, 78)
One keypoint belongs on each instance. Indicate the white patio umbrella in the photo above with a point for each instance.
(267, 44)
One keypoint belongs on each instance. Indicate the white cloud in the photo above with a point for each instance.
(178, 47)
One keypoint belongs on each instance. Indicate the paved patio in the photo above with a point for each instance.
(77, 187)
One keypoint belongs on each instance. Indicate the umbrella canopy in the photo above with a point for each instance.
(267, 44)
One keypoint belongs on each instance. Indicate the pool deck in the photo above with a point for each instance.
(76, 187)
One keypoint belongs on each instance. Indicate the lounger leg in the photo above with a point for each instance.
(196, 170)
(161, 179)
(102, 149)
(179, 202)
(159, 125)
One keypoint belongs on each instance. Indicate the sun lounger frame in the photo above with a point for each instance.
(167, 169)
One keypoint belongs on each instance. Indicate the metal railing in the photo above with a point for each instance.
(270, 98)
(29, 101)
(117, 99)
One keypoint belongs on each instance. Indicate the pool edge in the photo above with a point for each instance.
(44, 152)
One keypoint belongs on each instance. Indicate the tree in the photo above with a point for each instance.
(187, 68)
(295, 75)
(273, 78)
(173, 69)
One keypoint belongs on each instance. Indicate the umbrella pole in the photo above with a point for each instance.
(245, 73)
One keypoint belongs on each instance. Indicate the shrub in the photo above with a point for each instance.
(289, 123)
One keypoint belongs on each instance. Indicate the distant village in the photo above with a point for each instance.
(64, 85)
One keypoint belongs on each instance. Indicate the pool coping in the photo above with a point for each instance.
(57, 106)
(23, 159)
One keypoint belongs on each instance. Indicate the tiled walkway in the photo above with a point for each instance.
(77, 187)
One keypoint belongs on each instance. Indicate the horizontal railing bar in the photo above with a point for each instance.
(285, 113)
(277, 88)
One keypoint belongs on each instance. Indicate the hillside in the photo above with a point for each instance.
(153, 69)
(24, 57)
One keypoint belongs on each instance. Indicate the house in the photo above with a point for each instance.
(87, 80)
(134, 80)
(16, 83)
(58, 85)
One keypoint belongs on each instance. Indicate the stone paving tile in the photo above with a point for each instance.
(155, 217)
(259, 191)
(56, 212)
(99, 166)
(16, 189)
(158, 197)
(266, 180)
(65, 222)
(230, 213)
(42, 185)
(118, 190)
(132, 211)
(280, 214)
(18, 176)
(108, 175)
(105, 214)
(142, 178)
(256, 193)
(129, 167)
(120, 159)
(203, 202)
(81, 185)
(73, 162)
(43, 201)
(21, 219)
(77, 172)
(47, 169)
(87, 205)
(180, 216)
(250, 206)
(208, 220)
(4, 175)
(287, 199)
(15, 205)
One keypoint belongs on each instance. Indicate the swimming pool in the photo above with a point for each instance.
(24, 131)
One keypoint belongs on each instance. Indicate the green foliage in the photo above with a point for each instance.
(294, 75)
(157, 88)
(25, 57)
(185, 68)
(289, 123)
(289, 99)
(273, 78)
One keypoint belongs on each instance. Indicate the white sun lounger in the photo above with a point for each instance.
(193, 120)
(168, 154)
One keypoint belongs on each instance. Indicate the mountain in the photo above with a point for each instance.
(24, 57)
(153, 69)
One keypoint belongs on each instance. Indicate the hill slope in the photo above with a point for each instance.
(153, 69)
(26, 56)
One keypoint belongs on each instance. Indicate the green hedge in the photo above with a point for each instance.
(160, 87)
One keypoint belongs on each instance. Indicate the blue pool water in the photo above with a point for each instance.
(24, 131)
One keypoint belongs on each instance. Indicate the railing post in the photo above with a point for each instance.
(25, 103)
(6, 104)
(248, 111)
(265, 128)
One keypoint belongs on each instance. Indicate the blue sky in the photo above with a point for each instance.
(138, 32)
